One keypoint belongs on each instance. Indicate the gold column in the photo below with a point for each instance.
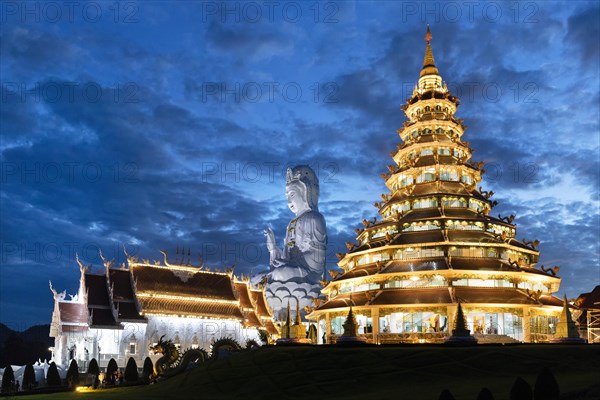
(526, 325)
(327, 325)
(375, 319)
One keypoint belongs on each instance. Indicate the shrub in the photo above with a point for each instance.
(485, 394)
(8, 380)
(28, 377)
(148, 369)
(446, 395)
(521, 390)
(93, 368)
(131, 372)
(546, 387)
(52, 377)
(73, 374)
(111, 370)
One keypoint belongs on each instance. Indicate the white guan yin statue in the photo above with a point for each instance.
(297, 268)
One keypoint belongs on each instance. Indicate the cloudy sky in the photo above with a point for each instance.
(157, 125)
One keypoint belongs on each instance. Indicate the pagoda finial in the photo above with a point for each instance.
(428, 35)
(429, 67)
(298, 315)
(288, 323)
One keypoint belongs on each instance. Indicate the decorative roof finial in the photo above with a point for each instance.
(428, 35)
(298, 315)
(429, 67)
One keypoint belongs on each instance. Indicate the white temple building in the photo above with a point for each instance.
(120, 313)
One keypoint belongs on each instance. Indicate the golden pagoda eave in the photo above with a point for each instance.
(348, 256)
(548, 310)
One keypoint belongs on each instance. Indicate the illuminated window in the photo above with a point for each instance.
(425, 203)
(454, 202)
(426, 177)
(481, 282)
(393, 284)
(426, 152)
(466, 179)
(345, 288)
(476, 205)
(432, 251)
(491, 252)
(449, 175)
(437, 281)
(444, 151)
(415, 227)
(402, 207)
(405, 181)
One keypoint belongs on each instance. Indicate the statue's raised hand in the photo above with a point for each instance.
(270, 239)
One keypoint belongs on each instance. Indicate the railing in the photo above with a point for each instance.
(541, 337)
(412, 337)
(395, 338)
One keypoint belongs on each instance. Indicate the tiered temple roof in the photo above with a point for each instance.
(264, 311)
(141, 290)
(251, 318)
(185, 291)
(436, 242)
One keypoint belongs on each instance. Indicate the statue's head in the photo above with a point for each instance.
(302, 188)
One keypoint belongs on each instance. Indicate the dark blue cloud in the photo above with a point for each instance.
(147, 133)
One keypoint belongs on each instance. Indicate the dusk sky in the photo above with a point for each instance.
(162, 124)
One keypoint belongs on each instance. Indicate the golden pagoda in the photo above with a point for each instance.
(437, 245)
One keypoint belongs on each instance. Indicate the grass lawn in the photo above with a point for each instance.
(377, 372)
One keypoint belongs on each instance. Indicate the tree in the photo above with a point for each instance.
(73, 374)
(546, 387)
(111, 370)
(521, 390)
(8, 380)
(485, 394)
(131, 372)
(148, 369)
(93, 368)
(446, 395)
(28, 377)
(52, 377)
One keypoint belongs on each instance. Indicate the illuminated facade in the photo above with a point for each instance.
(437, 245)
(120, 313)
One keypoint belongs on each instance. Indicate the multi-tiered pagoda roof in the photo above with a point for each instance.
(436, 242)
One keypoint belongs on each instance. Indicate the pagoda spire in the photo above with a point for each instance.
(429, 67)
(298, 315)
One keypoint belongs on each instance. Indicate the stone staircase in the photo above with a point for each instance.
(498, 339)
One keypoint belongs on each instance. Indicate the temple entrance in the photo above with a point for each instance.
(495, 324)
(415, 322)
(484, 324)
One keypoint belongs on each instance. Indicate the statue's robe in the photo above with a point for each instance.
(303, 255)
